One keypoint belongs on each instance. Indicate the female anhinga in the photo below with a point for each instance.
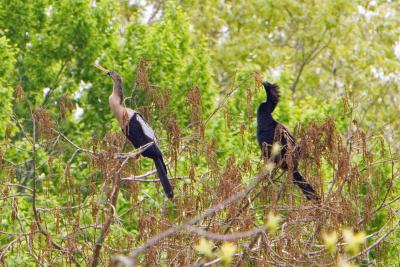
(269, 131)
(137, 130)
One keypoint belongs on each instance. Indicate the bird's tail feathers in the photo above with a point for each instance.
(162, 175)
(307, 189)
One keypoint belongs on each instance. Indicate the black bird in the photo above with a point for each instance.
(269, 131)
(137, 130)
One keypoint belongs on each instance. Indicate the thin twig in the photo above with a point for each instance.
(109, 217)
(225, 237)
(18, 185)
(72, 143)
(16, 195)
(111, 211)
(134, 179)
(6, 248)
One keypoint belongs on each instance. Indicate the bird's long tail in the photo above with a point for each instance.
(307, 189)
(162, 175)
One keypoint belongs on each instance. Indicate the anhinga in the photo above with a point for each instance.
(269, 131)
(137, 130)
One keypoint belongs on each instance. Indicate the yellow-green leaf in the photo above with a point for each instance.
(353, 240)
(273, 221)
(204, 247)
(227, 251)
(330, 241)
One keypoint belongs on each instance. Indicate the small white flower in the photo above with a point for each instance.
(78, 112)
(368, 14)
(82, 86)
(46, 91)
(85, 85)
(396, 48)
(276, 72)
(48, 11)
(133, 3)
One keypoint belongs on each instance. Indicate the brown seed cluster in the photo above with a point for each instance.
(196, 121)
(174, 141)
(66, 106)
(142, 78)
(19, 93)
(43, 119)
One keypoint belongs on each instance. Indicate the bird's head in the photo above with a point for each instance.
(113, 75)
(272, 88)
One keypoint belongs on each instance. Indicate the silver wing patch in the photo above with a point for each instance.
(146, 128)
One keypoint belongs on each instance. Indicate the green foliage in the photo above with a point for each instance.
(7, 57)
(177, 62)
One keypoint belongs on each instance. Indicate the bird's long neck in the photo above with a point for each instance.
(264, 112)
(116, 98)
(117, 93)
(272, 96)
(264, 116)
(271, 102)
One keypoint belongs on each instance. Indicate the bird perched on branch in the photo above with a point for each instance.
(270, 132)
(137, 130)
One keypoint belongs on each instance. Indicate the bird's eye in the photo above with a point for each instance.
(109, 73)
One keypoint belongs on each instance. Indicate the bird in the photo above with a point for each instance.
(137, 130)
(269, 132)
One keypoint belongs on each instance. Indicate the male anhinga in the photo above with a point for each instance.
(137, 130)
(269, 131)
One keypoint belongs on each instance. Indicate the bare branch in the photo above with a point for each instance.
(18, 185)
(135, 179)
(7, 247)
(108, 221)
(17, 195)
(225, 237)
(72, 143)
(112, 202)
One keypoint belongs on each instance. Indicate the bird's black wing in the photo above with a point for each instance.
(147, 130)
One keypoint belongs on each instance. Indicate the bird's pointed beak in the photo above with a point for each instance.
(102, 69)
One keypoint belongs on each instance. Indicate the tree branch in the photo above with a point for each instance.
(112, 209)
(225, 237)
(173, 230)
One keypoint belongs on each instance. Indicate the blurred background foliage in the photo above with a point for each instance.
(189, 66)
